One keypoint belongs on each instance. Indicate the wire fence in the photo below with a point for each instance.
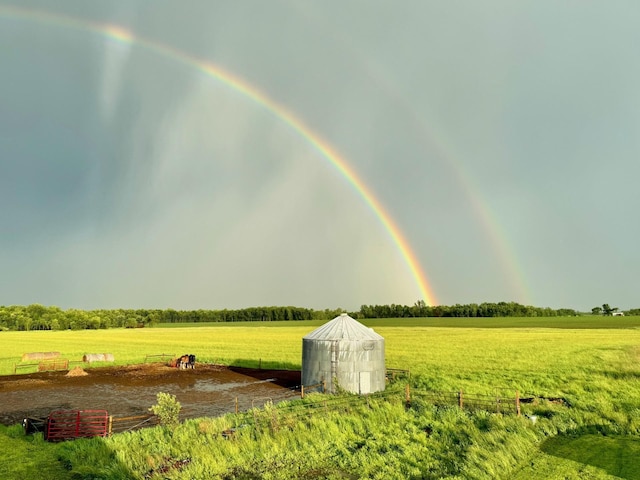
(470, 401)
(128, 424)
(284, 415)
(263, 412)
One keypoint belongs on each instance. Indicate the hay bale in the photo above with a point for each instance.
(92, 357)
(98, 357)
(40, 356)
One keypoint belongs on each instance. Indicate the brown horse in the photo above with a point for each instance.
(187, 361)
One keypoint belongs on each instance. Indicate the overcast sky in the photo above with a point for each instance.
(501, 137)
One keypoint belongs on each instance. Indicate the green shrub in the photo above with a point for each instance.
(167, 410)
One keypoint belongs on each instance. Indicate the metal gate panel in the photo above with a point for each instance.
(70, 424)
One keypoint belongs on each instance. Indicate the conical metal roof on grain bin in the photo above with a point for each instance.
(343, 327)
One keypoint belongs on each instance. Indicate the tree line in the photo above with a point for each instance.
(470, 310)
(40, 317)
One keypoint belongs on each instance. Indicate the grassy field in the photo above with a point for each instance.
(597, 370)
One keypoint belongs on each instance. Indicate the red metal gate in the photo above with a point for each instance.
(70, 424)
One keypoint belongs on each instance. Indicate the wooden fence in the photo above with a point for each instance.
(43, 366)
(393, 373)
(159, 358)
(319, 387)
(58, 364)
(127, 424)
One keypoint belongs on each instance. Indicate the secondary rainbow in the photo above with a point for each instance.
(439, 147)
(244, 88)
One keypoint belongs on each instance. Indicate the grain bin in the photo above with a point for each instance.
(344, 354)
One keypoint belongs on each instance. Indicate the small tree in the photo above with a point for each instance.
(607, 310)
(596, 310)
(167, 410)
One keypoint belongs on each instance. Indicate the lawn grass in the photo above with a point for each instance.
(619, 456)
(597, 370)
(576, 456)
(29, 457)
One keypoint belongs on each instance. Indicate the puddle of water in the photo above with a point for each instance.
(201, 392)
(223, 387)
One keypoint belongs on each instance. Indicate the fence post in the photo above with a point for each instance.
(407, 396)
(460, 400)
(517, 403)
(236, 405)
(260, 365)
(324, 386)
(301, 391)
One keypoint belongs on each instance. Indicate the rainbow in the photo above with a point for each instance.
(242, 87)
(438, 146)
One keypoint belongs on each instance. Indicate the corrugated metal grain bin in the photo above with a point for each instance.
(344, 353)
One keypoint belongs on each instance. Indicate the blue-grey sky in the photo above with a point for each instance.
(502, 138)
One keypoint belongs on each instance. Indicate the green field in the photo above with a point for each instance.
(596, 369)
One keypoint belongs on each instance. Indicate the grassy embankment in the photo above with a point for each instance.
(597, 370)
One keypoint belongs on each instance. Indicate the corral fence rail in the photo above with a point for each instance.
(43, 366)
(159, 357)
(119, 424)
(58, 364)
(318, 387)
(393, 373)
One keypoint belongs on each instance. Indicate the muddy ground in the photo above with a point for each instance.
(207, 390)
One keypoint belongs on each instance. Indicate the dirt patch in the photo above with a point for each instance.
(207, 390)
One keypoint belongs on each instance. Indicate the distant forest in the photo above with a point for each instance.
(39, 317)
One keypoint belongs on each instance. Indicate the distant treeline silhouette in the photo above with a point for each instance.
(470, 310)
(39, 317)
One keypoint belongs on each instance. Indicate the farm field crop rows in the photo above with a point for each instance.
(597, 371)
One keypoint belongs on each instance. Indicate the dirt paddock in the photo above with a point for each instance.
(207, 390)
